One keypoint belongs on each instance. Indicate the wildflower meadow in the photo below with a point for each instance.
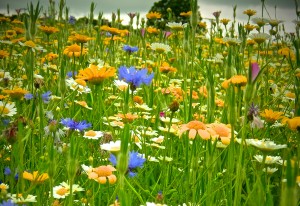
(198, 112)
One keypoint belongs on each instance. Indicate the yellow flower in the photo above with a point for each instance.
(286, 52)
(250, 27)
(225, 21)
(112, 30)
(186, 14)
(9, 34)
(96, 75)
(78, 38)
(166, 68)
(3, 54)
(35, 176)
(238, 80)
(48, 29)
(271, 116)
(249, 12)
(294, 123)
(153, 15)
(74, 50)
(202, 24)
(19, 30)
(16, 93)
(152, 30)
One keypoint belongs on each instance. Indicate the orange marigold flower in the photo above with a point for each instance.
(195, 127)
(271, 116)
(152, 30)
(153, 15)
(16, 93)
(79, 38)
(9, 34)
(102, 173)
(96, 75)
(127, 117)
(19, 30)
(48, 29)
(138, 99)
(225, 21)
(166, 68)
(35, 176)
(203, 91)
(238, 80)
(202, 24)
(74, 50)
(286, 52)
(294, 123)
(249, 12)
(186, 14)
(225, 84)
(3, 54)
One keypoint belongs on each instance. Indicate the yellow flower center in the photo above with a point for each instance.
(91, 133)
(4, 110)
(62, 191)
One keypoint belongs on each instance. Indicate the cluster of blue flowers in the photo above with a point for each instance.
(45, 96)
(135, 161)
(135, 77)
(73, 125)
(130, 49)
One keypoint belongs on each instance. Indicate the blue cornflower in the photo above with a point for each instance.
(130, 49)
(135, 161)
(7, 203)
(28, 96)
(73, 125)
(46, 97)
(70, 74)
(72, 20)
(135, 77)
(7, 171)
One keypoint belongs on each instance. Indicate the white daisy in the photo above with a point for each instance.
(268, 160)
(112, 146)
(91, 134)
(160, 47)
(7, 109)
(176, 26)
(265, 145)
(19, 199)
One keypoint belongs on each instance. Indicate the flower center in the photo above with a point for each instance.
(91, 133)
(4, 110)
(62, 191)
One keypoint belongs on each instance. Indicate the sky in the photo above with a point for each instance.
(285, 9)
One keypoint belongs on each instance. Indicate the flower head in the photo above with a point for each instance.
(160, 48)
(271, 116)
(73, 125)
(195, 127)
(101, 174)
(153, 15)
(91, 134)
(265, 145)
(35, 176)
(74, 50)
(7, 109)
(96, 75)
(48, 29)
(46, 97)
(135, 77)
(135, 161)
(130, 49)
(176, 26)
